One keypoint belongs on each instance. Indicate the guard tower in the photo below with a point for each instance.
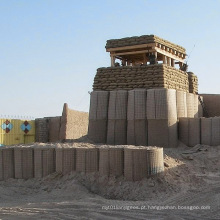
(145, 62)
(146, 49)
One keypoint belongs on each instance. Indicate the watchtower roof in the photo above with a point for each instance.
(144, 39)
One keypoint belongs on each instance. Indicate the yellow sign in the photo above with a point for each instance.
(16, 131)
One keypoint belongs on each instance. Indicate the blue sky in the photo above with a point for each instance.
(50, 49)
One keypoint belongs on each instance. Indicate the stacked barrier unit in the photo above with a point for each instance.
(86, 160)
(98, 116)
(117, 117)
(6, 163)
(136, 117)
(24, 162)
(44, 161)
(162, 117)
(65, 159)
(141, 162)
(111, 161)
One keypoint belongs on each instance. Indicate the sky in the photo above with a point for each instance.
(50, 49)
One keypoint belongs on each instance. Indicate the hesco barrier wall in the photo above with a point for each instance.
(117, 117)
(146, 76)
(139, 117)
(140, 162)
(16, 131)
(212, 104)
(194, 131)
(98, 116)
(135, 163)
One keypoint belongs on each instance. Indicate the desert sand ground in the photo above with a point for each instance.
(188, 189)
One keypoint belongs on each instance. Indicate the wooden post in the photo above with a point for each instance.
(168, 61)
(172, 62)
(112, 60)
(164, 59)
(145, 58)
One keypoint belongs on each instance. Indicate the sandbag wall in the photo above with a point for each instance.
(145, 76)
(194, 131)
(193, 83)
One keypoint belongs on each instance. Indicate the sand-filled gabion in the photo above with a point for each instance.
(161, 104)
(111, 161)
(24, 162)
(140, 162)
(189, 131)
(6, 163)
(163, 132)
(181, 104)
(86, 160)
(193, 83)
(44, 161)
(117, 117)
(65, 159)
(146, 76)
(192, 103)
(136, 117)
(210, 131)
(98, 115)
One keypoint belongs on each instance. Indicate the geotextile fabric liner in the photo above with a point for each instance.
(118, 104)
(196, 106)
(111, 161)
(98, 105)
(97, 130)
(189, 131)
(190, 105)
(136, 104)
(137, 132)
(6, 163)
(155, 162)
(117, 131)
(161, 104)
(24, 163)
(162, 132)
(181, 104)
(142, 162)
(44, 162)
(215, 138)
(86, 160)
(65, 160)
(206, 129)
